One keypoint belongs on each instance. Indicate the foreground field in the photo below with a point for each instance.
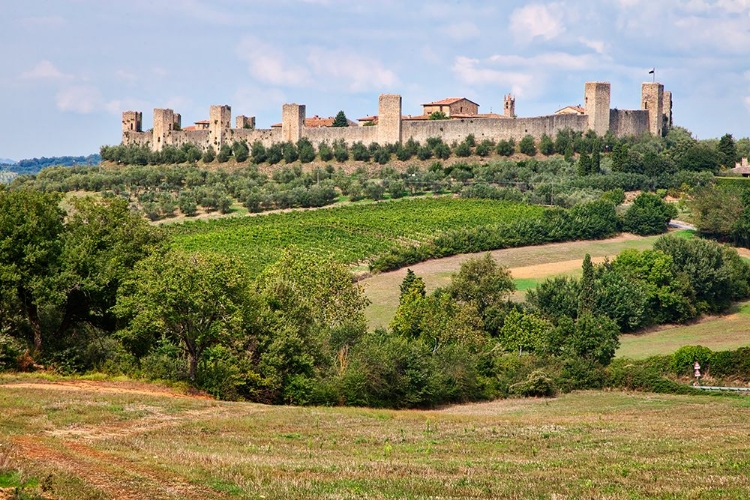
(93, 443)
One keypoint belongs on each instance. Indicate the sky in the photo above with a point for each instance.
(70, 67)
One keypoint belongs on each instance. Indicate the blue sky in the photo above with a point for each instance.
(70, 67)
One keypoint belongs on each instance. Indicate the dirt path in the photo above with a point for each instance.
(106, 388)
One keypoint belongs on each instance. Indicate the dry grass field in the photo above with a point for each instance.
(96, 440)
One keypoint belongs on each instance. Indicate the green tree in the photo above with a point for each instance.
(240, 151)
(31, 224)
(197, 301)
(527, 146)
(340, 120)
(438, 115)
(727, 150)
(523, 331)
(209, 155)
(411, 280)
(546, 145)
(594, 338)
(587, 294)
(648, 214)
(481, 282)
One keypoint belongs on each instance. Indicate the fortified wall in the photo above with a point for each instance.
(392, 127)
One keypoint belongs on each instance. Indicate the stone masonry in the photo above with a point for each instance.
(654, 116)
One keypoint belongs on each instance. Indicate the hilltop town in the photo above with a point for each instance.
(390, 126)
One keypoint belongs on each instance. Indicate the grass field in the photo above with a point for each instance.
(718, 333)
(85, 443)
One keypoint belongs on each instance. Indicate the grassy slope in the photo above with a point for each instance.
(383, 289)
(717, 333)
(347, 234)
(581, 445)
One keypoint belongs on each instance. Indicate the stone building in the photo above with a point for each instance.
(451, 106)
(390, 126)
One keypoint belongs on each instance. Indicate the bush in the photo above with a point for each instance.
(648, 214)
(538, 384)
(527, 146)
(684, 357)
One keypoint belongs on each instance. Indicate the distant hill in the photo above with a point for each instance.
(7, 161)
(34, 165)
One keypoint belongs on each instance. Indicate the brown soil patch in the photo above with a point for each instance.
(513, 258)
(553, 268)
(106, 388)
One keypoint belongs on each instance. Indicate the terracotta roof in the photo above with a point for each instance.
(448, 101)
(202, 122)
(571, 110)
(189, 127)
(372, 118)
(317, 122)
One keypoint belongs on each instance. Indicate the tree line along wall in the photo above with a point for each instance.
(392, 127)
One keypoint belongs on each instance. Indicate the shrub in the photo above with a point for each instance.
(537, 384)
(684, 357)
(527, 146)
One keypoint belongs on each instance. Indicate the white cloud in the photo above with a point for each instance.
(537, 21)
(596, 45)
(267, 64)
(83, 99)
(356, 73)
(45, 70)
(462, 31)
(318, 67)
(547, 60)
(467, 70)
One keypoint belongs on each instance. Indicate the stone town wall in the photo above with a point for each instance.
(137, 138)
(494, 129)
(267, 137)
(627, 122)
(392, 129)
(350, 135)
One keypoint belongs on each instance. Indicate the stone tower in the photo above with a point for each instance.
(246, 122)
(509, 107)
(389, 119)
(219, 118)
(596, 106)
(292, 122)
(652, 99)
(667, 109)
(132, 121)
(164, 121)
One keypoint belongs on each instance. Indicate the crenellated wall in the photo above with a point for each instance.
(494, 129)
(392, 128)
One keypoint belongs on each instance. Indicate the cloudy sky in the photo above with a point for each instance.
(70, 67)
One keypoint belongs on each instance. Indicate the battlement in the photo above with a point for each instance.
(391, 127)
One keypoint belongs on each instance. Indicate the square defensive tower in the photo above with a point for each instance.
(389, 119)
(652, 100)
(596, 99)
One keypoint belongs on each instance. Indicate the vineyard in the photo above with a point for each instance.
(348, 234)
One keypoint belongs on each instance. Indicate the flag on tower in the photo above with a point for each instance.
(652, 71)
